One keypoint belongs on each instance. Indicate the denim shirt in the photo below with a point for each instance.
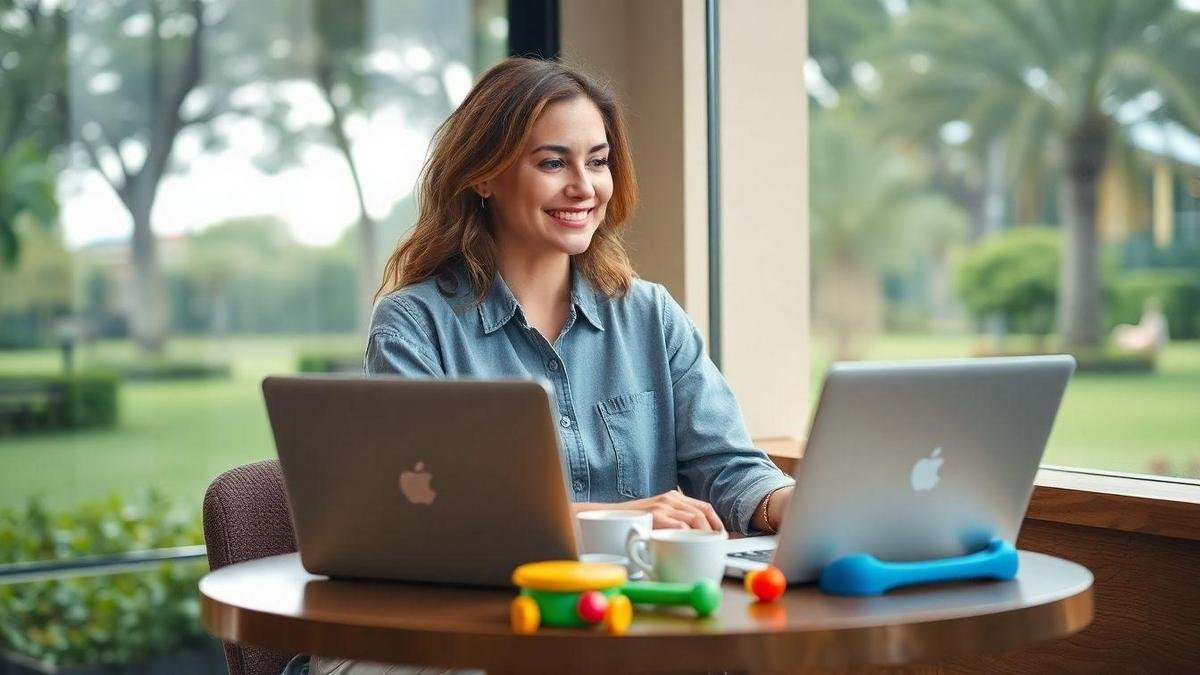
(642, 409)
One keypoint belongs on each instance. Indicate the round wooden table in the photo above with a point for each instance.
(273, 602)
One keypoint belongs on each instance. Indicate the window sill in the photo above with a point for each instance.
(1123, 502)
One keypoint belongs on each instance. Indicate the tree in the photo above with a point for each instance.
(1014, 275)
(26, 195)
(868, 214)
(358, 74)
(32, 115)
(140, 61)
(144, 71)
(1049, 77)
(227, 251)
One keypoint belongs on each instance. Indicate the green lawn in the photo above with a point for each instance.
(178, 436)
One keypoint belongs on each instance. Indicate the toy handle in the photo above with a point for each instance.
(657, 592)
(863, 574)
(639, 554)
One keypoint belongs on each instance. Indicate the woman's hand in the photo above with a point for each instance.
(672, 510)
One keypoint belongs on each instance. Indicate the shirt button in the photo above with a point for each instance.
(579, 486)
(564, 422)
(553, 364)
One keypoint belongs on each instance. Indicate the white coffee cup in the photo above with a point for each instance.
(606, 558)
(606, 531)
(679, 556)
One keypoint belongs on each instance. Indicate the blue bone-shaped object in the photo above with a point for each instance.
(863, 574)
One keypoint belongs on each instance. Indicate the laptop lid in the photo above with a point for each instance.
(919, 460)
(452, 481)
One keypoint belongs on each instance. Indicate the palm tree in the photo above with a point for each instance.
(869, 216)
(1052, 80)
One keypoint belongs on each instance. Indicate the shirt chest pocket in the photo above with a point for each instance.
(639, 431)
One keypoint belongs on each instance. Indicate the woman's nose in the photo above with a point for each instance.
(580, 187)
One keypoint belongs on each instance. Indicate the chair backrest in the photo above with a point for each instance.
(246, 516)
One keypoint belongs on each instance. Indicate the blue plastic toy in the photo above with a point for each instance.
(863, 574)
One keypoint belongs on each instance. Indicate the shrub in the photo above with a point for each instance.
(1177, 289)
(117, 619)
(172, 369)
(93, 399)
(330, 362)
(1015, 275)
(81, 400)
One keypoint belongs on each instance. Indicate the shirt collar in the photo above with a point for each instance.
(584, 297)
(500, 305)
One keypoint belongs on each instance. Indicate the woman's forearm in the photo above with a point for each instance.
(777, 503)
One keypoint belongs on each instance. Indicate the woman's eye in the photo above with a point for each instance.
(551, 164)
(600, 161)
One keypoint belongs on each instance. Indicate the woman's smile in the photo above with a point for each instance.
(571, 217)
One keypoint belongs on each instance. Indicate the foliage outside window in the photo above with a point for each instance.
(941, 130)
(193, 194)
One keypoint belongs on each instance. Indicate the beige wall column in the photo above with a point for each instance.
(764, 212)
(654, 55)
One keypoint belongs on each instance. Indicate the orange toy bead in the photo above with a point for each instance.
(525, 615)
(619, 615)
(766, 584)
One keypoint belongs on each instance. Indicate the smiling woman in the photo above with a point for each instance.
(516, 268)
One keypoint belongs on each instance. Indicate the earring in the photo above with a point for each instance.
(482, 203)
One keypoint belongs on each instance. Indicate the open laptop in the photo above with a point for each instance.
(449, 481)
(913, 461)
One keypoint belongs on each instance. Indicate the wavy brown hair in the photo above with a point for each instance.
(481, 139)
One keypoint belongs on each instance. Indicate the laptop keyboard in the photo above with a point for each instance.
(763, 556)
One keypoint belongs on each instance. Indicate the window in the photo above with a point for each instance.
(1011, 178)
(192, 195)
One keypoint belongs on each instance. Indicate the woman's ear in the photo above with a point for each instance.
(484, 189)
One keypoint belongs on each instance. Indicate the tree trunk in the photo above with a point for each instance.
(147, 316)
(849, 304)
(369, 274)
(368, 245)
(1079, 280)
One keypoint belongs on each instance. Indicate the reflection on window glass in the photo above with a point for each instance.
(193, 194)
(1014, 178)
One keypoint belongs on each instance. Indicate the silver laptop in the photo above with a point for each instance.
(914, 460)
(450, 481)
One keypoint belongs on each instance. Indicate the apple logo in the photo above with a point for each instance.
(415, 485)
(925, 471)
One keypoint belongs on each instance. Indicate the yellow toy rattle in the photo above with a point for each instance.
(568, 593)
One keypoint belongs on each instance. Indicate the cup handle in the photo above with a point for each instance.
(635, 546)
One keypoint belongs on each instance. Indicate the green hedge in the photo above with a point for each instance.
(1177, 289)
(86, 399)
(116, 619)
(1097, 360)
(171, 369)
(330, 362)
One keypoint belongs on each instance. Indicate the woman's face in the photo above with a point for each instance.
(554, 195)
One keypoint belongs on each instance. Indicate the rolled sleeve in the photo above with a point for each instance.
(716, 460)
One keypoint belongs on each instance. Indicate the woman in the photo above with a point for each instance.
(515, 267)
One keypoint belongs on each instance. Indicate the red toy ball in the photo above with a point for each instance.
(592, 606)
(766, 584)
